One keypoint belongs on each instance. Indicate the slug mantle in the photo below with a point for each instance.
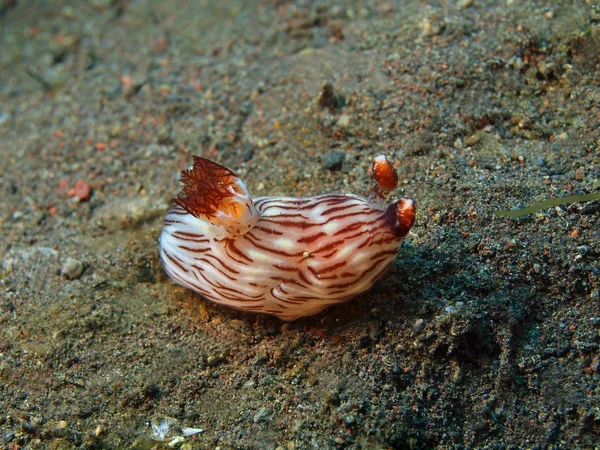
(290, 257)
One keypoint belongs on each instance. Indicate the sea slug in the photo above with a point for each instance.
(290, 257)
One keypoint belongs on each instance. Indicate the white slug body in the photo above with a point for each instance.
(290, 257)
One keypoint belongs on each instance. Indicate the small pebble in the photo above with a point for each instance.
(344, 121)
(590, 208)
(72, 269)
(187, 432)
(418, 325)
(583, 250)
(350, 419)
(333, 160)
(473, 139)
(176, 441)
(261, 415)
(327, 97)
(82, 190)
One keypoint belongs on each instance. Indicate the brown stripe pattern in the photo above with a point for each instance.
(300, 257)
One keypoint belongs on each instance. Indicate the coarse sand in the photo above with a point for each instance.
(484, 334)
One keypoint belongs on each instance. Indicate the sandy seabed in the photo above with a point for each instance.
(484, 334)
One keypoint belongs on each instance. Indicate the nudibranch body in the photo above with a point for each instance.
(290, 257)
